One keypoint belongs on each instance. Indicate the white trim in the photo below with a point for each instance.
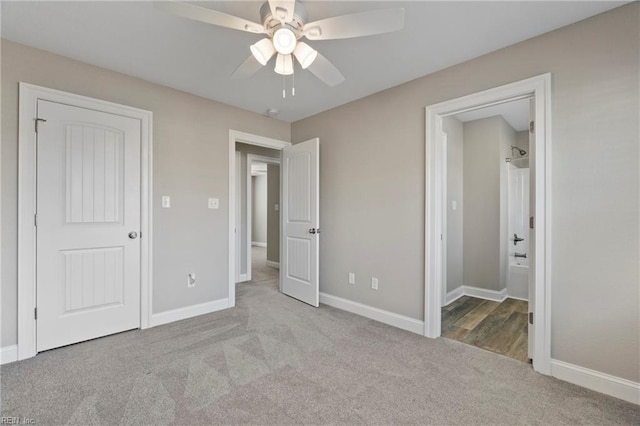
(188, 312)
(8, 354)
(454, 295)
(247, 138)
(249, 198)
(29, 95)
(258, 244)
(380, 315)
(517, 298)
(596, 381)
(483, 293)
(273, 264)
(538, 87)
(243, 278)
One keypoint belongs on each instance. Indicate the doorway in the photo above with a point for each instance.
(299, 215)
(258, 206)
(485, 215)
(537, 89)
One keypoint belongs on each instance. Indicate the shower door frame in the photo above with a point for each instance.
(538, 88)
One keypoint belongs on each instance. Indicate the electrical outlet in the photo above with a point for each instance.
(352, 278)
(374, 283)
(191, 279)
(213, 203)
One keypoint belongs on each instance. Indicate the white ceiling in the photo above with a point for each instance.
(137, 39)
(516, 113)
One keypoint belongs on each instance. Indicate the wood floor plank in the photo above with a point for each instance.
(497, 327)
(518, 349)
(522, 306)
(476, 315)
(506, 308)
(455, 333)
(509, 332)
(459, 311)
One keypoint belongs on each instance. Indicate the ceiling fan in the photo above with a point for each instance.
(284, 22)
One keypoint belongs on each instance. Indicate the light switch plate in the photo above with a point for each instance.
(214, 203)
(454, 205)
(166, 202)
(276, 207)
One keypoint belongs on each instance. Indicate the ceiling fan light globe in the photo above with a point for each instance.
(305, 55)
(284, 41)
(284, 64)
(263, 50)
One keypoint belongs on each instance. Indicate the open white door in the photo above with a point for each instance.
(532, 235)
(300, 221)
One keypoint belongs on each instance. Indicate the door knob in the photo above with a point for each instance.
(313, 230)
(133, 235)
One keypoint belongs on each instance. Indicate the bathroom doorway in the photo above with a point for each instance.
(486, 210)
(491, 258)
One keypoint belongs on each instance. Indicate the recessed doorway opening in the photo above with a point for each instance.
(485, 286)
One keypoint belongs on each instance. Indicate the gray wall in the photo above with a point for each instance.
(273, 215)
(245, 149)
(188, 130)
(259, 207)
(522, 142)
(481, 229)
(372, 177)
(455, 139)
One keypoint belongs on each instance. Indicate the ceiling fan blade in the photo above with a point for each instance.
(326, 71)
(246, 69)
(355, 25)
(209, 16)
(282, 9)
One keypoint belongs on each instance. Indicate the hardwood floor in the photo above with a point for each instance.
(494, 326)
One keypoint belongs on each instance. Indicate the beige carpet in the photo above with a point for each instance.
(274, 360)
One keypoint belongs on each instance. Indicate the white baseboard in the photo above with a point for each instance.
(454, 295)
(242, 278)
(188, 312)
(273, 264)
(386, 317)
(481, 293)
(8, 354)
(517, 298)
(258, 244)
(597, 381)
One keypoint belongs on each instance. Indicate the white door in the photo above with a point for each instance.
(300, 221)
(532, 237)
(88, 224)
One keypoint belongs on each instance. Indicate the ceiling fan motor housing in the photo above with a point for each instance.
(271, 23)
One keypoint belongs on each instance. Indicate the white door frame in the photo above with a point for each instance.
(27, 180)
(249, 191)
(538, 87)
(249, 139)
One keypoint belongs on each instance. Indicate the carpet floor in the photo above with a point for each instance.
(274, 360)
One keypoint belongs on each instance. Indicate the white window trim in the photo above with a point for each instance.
(540, 88)
(29, 96)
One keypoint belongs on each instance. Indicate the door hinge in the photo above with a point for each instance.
(35, 313)
(37, 120)
(531, 318)
(35, 220)
(531, 222)
(532, 126)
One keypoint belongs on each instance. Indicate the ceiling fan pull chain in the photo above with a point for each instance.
(293, 84)
(284, 89)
